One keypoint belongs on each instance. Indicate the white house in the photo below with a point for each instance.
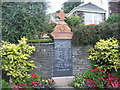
(91, 13)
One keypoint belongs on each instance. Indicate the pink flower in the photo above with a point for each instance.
(10, 81)
(32, 82)
(39, 79)
(15, 86)
(35, 84)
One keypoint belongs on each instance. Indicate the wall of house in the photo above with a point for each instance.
(114, 7)
(44, 56)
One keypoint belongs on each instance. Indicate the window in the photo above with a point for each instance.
(93, 18)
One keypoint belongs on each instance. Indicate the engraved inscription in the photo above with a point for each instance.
(63, 59)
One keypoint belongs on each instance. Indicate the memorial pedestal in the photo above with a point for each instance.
(62, 68)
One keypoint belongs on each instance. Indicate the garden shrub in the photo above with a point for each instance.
(15, 59)
(90, 34)
(74, 21)
(105, 54)
(23, 19)
(113, 18)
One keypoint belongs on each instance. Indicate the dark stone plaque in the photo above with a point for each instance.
(63, 58)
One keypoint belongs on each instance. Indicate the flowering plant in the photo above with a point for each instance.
(112, 81)
(95, 78)
(35, 81)
(101, 79)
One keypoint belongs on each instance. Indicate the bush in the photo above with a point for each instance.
(15, 59)
(90, 34)
(113, 19)
(22, 19)
(105, 54)
(74, 21)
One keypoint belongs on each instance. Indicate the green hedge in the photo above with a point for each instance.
(40, 41)
(89, 34)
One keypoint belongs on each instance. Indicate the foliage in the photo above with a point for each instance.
(69, 5)
(40, 41)
(49, 27)
(78, 82)
(112, 81)
(90, 34)
(22, 19)
(34, 81)
(6, 84)
(74, 21)
(113, 19)
(105, 54)
(15, 59)
(96, 78)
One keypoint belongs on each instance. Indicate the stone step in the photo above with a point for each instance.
(63, 81)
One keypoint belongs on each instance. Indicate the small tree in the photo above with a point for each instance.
(105, 54)
(15, 59)
(74, 21)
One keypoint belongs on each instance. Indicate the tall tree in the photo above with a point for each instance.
(69, 5)
(22, 19)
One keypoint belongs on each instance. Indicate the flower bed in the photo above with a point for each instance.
(34, 81)
(96, 78)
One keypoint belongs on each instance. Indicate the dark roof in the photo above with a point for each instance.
(91, 7)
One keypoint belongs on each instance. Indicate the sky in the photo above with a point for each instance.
(55, 5)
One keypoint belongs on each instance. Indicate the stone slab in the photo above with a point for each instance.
(63, 81)
(63, 58)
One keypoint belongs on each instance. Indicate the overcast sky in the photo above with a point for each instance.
(55, 5)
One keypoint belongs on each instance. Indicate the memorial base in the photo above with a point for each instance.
(63, 81)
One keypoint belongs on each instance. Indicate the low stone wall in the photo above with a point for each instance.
(44, 56)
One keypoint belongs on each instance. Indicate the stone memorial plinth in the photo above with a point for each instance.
(62, 36)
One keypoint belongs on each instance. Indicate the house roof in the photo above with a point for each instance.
(114, 1)
(89, 7)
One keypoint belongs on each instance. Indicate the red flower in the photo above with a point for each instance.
(53, 81)
(46, 78)
(101, 71)
(99, 78)
(93, 85)
(95, 69)
(33, 76)
(90, 80)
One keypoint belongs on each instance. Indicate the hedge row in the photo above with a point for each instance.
(89, 34)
